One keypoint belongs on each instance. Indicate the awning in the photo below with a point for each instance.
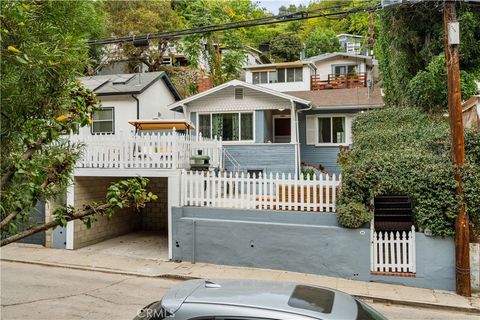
(162, 124)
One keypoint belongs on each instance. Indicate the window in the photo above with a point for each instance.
(204, 125)
(260, 77)
(235, 126)
(280, 75)
(238, 93)
(103, 121)
(345, 69)
(331, 130)
(272, 77)
(312, 298)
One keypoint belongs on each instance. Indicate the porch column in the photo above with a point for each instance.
(293, 135)
(173, 201)
(293, 124)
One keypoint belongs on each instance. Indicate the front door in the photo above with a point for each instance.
(281, 130)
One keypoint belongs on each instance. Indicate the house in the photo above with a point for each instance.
(282, 129)
(325, 71)
(127, 97)
(471, 112)
(351, 43)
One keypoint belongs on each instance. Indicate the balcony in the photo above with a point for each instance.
(146, 151)
(338, 81)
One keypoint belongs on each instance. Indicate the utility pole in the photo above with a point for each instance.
(462, 231)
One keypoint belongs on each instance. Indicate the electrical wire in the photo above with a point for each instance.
(296, 16)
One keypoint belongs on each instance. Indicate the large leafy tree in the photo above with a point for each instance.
(286, 47)
(320, 41)
(409, 47)
(43, 51)
(126, 18)
(222, 53)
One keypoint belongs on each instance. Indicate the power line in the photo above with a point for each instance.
(296, 16)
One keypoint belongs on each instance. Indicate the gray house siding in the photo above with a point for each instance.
(259, 126)
(269, 157)
(324, 155)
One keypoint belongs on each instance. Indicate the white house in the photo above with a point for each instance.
(126, 97)
(326, 71)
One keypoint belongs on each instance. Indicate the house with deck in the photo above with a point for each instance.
(268, 195)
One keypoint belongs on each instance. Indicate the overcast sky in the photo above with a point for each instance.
(273, 5)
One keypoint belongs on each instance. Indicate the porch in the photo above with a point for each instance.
(146, 150)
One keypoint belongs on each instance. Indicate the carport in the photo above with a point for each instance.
(129, 232)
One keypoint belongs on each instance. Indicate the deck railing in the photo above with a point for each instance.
(276, 192)
(392, 251)
(147, 150)
(339, 81)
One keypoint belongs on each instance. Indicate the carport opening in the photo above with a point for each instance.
(141, 234)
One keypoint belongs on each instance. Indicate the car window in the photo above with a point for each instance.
(312, 298)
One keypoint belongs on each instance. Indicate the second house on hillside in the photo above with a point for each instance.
(127, 97)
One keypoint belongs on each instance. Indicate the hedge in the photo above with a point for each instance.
(405, 151)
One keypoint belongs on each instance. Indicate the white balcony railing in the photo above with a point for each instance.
(146, 151)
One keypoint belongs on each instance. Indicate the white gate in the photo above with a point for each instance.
(392, 251)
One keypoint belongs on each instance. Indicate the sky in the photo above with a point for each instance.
(273, 5)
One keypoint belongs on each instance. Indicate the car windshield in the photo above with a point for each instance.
(312, 298)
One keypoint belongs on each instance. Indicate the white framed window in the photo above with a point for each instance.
(328, 130)
(279, 75)
(230, 126)
(340, 69)
(103, 121)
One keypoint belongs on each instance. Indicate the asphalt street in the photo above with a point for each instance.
(41, 292)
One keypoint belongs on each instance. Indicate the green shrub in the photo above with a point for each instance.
(404, 151)
(353, 214)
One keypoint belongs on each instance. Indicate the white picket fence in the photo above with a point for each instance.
(147, 150)
(392, 251)
(280, 192)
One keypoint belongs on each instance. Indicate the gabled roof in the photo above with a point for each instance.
(127, 83)
(326, 56)
(177, 106)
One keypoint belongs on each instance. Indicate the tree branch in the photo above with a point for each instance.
(54, 223)
(7, 176)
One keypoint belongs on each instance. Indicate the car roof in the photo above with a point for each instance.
(270, 295)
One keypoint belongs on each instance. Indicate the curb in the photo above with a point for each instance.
(180, 277)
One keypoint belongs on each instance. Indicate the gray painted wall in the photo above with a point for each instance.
(301, 242)
(269, 157)
(37, 216)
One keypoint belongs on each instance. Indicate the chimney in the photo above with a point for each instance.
(204, 84)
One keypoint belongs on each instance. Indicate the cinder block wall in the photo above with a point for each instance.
(155, 214)
(89, 189)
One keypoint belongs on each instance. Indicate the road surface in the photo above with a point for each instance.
(41, 292)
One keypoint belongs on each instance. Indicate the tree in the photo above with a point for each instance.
(411, 38)
(286, 47)
(209, 47)
(320, 41)
(127, 18)
(43, 52)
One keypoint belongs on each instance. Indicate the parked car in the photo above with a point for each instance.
(255, 300)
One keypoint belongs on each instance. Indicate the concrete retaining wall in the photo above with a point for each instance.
(301, 242)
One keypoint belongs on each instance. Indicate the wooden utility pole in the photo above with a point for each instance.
(462, 231)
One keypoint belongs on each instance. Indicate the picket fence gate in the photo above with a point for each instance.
(392, 251)
(245, 191)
